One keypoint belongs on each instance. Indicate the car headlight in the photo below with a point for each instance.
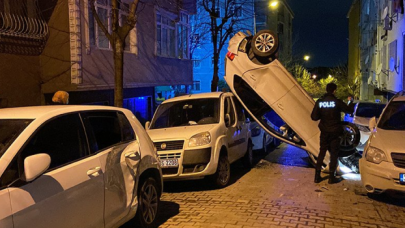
(363, 128)
(375, 155)
(255, 131)
(200, 139)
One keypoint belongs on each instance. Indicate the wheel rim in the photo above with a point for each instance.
(348, 136)
(264, 42)
(223, 172)
(149, 203)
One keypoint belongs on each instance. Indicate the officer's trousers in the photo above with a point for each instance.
(330, 141)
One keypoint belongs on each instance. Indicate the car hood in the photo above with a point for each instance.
(380, 137)
(175, 133)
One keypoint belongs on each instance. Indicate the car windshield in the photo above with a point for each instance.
(393, 117)
(10, 129)
(187, 112)
(369, 110)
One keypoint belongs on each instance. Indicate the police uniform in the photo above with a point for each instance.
(328, 109)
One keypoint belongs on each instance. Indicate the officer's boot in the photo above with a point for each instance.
(333, 179)
(318, 177)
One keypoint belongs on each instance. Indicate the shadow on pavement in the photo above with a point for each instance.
(289, 156)
(167, 210)
(389, 197)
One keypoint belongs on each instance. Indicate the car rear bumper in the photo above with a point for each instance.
(378, 178)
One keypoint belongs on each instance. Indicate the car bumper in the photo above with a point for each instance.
(378, 178)
(193, 164)
(363, 140)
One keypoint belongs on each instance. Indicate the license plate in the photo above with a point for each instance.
(169, 163)
(402, 178)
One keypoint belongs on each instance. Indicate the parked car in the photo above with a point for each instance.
(260, 138)
(262, 84)
(70, 166)
(200, 135)
(382, 166)
(361, 116)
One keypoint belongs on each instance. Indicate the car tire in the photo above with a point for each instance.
(264, 149)
(222, 176)
(264, 43)
(148, 204)
(349, 140)
(247, 160)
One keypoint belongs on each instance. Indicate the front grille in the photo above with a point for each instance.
(169, 156)
(170, 145)
(398, 159)
(170, 171)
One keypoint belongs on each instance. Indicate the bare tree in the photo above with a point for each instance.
(223, 22)
(117, 41)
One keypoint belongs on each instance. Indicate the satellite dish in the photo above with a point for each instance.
(379, 68)
(385, 12)
(392, 64)
(366, 61)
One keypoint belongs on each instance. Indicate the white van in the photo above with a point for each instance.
(200, 135)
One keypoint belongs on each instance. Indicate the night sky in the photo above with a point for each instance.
(320, 29)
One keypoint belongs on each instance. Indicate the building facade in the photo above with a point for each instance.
(381, 47)
(76, 56)
(251, 15)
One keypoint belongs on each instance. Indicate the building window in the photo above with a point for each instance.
(182, 36)
(196, 63)
(197, 85)
(280, 28)
(97, 36)
(166, 36)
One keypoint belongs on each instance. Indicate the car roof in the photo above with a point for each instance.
(196, 96)
(34, 112)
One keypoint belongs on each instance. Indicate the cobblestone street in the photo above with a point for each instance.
(278, 192)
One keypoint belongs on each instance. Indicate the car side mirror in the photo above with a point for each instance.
(227, 120)
(372, 124)
(35, 165)
(147, 125)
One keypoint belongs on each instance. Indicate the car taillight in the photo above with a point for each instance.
(230, 55)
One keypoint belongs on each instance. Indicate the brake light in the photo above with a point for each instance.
(230, 55)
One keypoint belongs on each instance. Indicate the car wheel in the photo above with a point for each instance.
(350, 139)
(223, 173)
(248, 158)
(148, 204)
(264, 43)
(264, 149)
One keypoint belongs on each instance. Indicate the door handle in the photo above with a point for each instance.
(94, 171)
(134, 155)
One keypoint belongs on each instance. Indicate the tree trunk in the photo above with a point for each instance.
(118, 50)
(215, 78)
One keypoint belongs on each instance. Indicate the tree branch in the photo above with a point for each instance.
(99, 22)
(131, 19)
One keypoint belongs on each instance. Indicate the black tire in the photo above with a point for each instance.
(349, 140)
(247, 160)
(148, 204)
(221, 177)
(264, 43)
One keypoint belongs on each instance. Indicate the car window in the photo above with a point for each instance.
(62, 138)
(369, 110)
(228, 109)
(103, 129)
(127, 130)
(10, 129)
(186, 112)
(239, 110)
(393, 117)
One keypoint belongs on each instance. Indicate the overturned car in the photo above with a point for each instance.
(262, 84)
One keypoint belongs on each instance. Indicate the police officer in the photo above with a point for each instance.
(328, 109)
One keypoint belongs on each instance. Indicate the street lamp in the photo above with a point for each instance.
(314, 76)
(306, 57)
(273, 4)
(330, 76)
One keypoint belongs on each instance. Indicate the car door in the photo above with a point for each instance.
(113, 140)
(70, 193)
(242, 128)
(232, 133)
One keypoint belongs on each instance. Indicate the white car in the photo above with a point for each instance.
(76, 166)
(260, 138)
(382, 166)
(200, 135)
(363, 112)
(262, 85)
